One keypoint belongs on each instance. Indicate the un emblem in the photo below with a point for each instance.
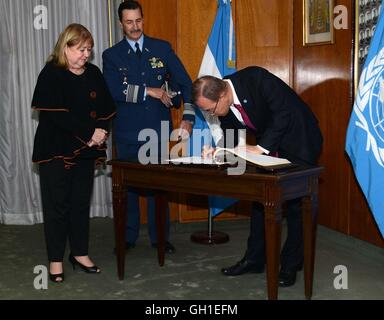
(376, 107)
(369, 106)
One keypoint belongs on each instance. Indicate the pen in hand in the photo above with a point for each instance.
(207, 152)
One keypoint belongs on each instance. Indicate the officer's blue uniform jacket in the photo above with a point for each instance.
(127, 75)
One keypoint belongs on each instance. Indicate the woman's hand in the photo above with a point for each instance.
(98, 138)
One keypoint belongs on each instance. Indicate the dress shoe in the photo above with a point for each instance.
(58, 278)
(241, 267)
(74, 262)
(287, 278)
(169, 248)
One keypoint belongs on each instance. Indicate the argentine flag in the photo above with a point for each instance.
(219, 60)
(365, 134)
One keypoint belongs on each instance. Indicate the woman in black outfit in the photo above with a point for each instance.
(74, 111)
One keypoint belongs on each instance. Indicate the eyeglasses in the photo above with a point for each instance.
(212, 112)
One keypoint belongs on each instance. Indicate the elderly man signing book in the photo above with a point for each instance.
(284, 126)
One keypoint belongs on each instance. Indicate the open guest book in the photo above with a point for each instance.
(228, 156)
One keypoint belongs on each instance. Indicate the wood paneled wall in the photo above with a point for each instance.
(323, 76)
(269, 34)
(160, 19)
(264, 35)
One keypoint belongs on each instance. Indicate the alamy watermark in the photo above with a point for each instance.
(41, 17)
(340, 20)
(40, 282)
(40, 21)
(341, 280)
(155, 148)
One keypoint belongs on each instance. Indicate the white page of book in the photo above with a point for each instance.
(259, 159)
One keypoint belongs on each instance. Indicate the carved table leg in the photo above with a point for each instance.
(310, 208)
(119, 218)
(160, 211)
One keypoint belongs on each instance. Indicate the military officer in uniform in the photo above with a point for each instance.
(139, 70)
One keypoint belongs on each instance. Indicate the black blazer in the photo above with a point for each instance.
(284, 123)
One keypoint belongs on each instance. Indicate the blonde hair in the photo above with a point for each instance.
(72, 35)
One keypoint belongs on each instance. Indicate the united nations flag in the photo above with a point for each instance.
(365, 134)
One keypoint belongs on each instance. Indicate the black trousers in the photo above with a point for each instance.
(292, 254)
(66, 195)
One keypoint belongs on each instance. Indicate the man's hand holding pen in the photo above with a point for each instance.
(207, 151)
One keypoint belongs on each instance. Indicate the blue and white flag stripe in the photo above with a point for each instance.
(208, 65)
(218, 60)
(365, 134)
(219, 56)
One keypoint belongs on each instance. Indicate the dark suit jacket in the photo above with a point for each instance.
(123, 70)
(284, 123)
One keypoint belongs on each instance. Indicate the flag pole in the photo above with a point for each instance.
(210, 237)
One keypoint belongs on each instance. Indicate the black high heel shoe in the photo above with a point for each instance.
(57, 278)
(74, 262)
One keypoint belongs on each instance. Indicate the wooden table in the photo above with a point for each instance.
(270, 189)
